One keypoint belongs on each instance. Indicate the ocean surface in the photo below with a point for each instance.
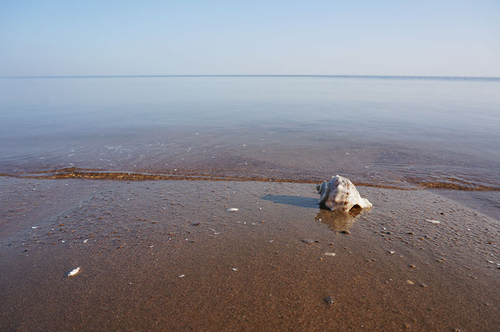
(397, 132)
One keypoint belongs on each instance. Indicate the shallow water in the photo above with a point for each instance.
(398, 132)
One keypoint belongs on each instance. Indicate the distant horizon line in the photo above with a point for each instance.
(254, 75)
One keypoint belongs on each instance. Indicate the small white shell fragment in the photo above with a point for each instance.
(330, 254)
(235, 269)
(392, 252)
(86, 240)
(182, 276)
(34, 227)
(433, 221)
(340, 194)
(74, 272)
(232, 210)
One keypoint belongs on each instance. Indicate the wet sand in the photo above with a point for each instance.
(166, 255)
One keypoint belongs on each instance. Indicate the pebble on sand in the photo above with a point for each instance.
(329, 300)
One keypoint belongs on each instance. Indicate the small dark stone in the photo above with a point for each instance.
(345, 232)
(329, 300)
(195, 224)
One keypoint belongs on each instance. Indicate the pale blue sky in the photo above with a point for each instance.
(423, 38)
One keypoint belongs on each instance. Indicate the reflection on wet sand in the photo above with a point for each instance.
(338, 221)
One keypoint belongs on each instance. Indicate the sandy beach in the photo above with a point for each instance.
(167, 255)
(159, 163)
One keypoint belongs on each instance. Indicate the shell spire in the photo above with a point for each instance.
(340, 194)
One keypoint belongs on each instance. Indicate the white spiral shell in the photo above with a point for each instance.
(340, 194)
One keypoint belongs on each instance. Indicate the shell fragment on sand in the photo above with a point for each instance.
(309, 241)
(232, 210)
(433, 221)
(73, 273)
(340, 194)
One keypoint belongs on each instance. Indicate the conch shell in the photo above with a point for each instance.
(341, 195)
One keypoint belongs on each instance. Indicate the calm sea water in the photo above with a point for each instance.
(381, 131)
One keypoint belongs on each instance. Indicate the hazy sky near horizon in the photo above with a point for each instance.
(359, 37)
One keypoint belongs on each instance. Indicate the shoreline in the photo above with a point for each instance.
(247, 270)
(95, 174)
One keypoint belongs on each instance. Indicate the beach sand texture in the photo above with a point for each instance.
(167, 255)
